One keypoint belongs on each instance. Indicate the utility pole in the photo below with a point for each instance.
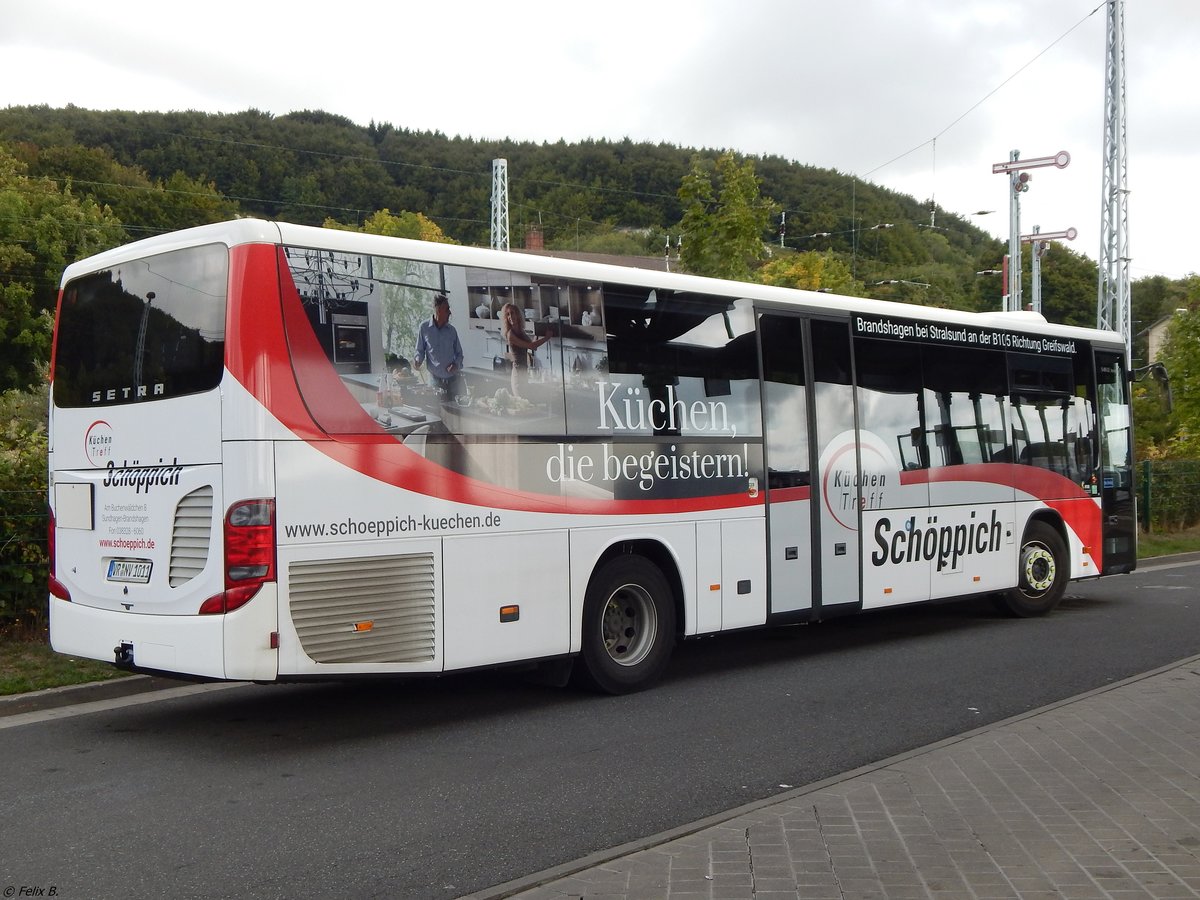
(1112, 295)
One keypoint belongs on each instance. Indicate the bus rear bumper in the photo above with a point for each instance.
(188, 645)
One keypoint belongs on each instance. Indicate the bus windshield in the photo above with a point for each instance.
(143, 330)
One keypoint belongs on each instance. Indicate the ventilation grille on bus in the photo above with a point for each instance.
(367, 609)
(190, 536)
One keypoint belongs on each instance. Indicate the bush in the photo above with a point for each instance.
(23, 511)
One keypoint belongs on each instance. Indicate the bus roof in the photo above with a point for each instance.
(255, 231)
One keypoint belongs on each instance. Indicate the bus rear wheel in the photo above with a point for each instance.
(628, 626)
(1041, 575)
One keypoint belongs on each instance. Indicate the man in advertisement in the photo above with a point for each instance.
(438, 344)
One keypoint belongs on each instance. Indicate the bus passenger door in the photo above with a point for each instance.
(812, 467)
(788, 466)
(1116, 457)
(838, 490)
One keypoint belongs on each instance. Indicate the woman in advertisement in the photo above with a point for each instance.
(520, 345)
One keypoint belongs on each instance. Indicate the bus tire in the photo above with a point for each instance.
(1041, 573)
(628, 626)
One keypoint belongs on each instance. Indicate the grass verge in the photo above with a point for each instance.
(28, 664)
(1151, 545)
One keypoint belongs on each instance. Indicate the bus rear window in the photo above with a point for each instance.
(147, 329)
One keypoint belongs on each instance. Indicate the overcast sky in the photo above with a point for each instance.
(850, 85)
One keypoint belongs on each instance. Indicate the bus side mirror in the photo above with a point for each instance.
(1159, 373)
(1163, 377)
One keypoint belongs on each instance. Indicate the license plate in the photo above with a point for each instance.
(134, 570)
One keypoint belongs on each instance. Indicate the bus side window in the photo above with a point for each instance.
(1054, 420)
(785, 396)
(965, 406)
(890, 398)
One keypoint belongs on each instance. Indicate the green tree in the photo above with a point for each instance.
(1181, 349)
(22, 506)
(1068, 286)
(1153, 298)
(1154, 425)
(184, 202)
(811, 271)
(146, 205)
(42, 228)
(1180, 437)
(413, 225)
(611, 241)
(724, 218)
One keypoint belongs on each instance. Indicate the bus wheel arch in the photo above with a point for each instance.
(630, 616)
(1043, 570)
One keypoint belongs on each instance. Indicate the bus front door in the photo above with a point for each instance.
(808, 421)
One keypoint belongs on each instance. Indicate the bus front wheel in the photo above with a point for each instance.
(1041, 574)
(628, 626)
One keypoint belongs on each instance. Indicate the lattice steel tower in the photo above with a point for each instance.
(499, 204)
(1112, 301)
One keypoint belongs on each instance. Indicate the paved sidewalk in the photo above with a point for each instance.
(1094, 797)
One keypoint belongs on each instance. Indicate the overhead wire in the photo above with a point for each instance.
(986, 96)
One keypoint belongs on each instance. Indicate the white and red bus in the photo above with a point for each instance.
(252, 480)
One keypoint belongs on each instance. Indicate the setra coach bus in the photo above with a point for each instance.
(253, 478)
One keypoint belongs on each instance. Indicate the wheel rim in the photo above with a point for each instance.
(1038, 568)
(630, 625)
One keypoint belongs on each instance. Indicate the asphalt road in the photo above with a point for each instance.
(441, 788)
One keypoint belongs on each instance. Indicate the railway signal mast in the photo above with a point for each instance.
(1019, 182)
(1038, 246)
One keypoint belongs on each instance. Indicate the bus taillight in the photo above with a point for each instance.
(249, 555)
(57, 588)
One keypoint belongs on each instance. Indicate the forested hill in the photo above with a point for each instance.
(600, 195)
(307, 166)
